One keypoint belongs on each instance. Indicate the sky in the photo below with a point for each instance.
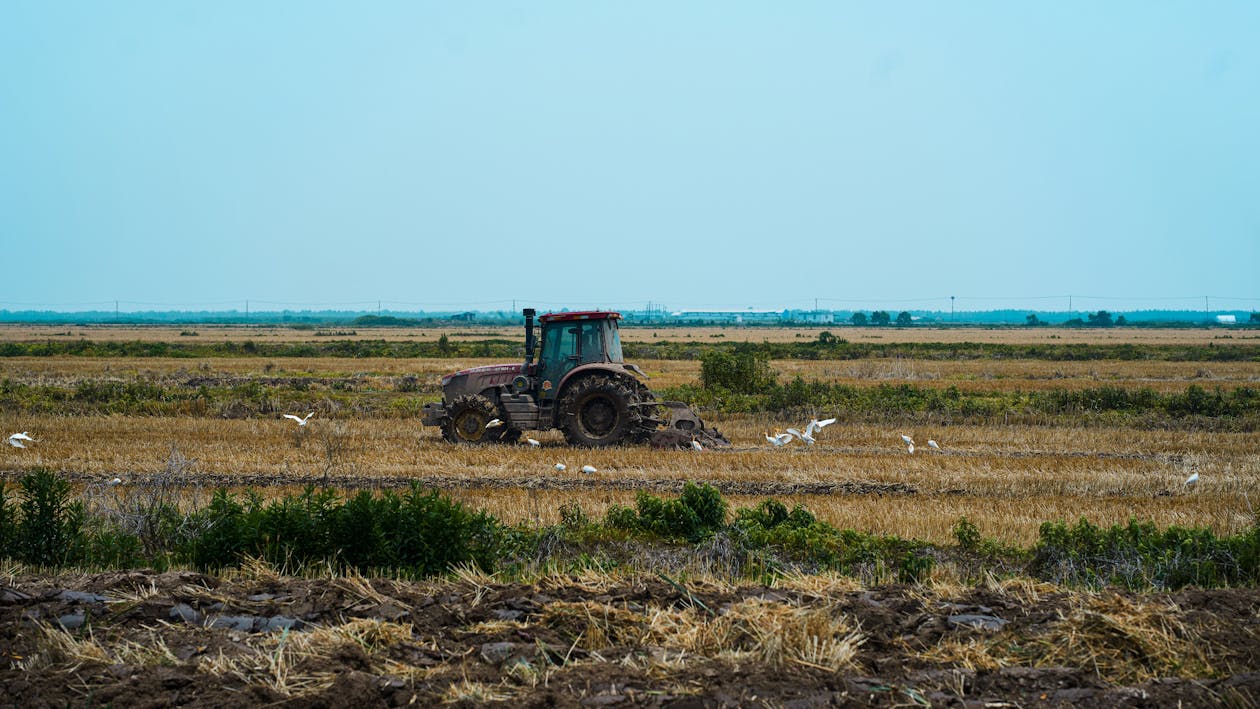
(171, 154)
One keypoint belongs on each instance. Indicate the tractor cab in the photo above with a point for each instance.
(573, 339)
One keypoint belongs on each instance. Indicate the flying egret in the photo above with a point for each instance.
(300, 421)
(24, 436)
(15, 443)
(532, 442)
(806, 437)
(695, 445)
(588, 469)
(493, 423)
(560, 468)
(115, 481)
(933, 444)
(816, 425)
(779, 439)
(1190, 481)
(909, 441)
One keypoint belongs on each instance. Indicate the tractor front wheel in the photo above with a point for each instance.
(466, 422)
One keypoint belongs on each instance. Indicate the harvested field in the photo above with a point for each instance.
(255, 638)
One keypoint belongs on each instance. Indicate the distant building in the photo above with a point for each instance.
(812, 317)
(1226, 320)
(734, 317)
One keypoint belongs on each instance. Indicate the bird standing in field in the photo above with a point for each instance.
(16, 439)
(115, 481)
(909, 443)
(532, 442)
(588, 469)
(1192, 480)
(301, 421)
(560, 467)
(933, 444)
(695, 445)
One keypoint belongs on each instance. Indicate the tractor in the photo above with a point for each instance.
(580, 384)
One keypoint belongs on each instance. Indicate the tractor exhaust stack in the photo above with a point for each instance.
(530, 344)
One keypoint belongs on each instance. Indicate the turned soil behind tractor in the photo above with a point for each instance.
(579, 384)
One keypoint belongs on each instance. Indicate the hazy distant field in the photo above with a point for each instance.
(1008, 335)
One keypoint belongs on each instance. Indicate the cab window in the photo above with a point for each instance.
(592, 341)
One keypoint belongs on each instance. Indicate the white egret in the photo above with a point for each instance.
(115, 481)
(560, 467)
(532, 442)
(588, 469)
(1190, 481)
(806, 437)
(933, 444)
(779, 439)
(909, 441)
(16, 443)
(910, 448)
(816, 425)
(695, 445)
(301, 421)
(493, 423)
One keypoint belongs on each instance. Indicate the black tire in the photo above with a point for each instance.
(600, 411)
(466, 422)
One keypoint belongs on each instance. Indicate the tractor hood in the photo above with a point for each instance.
(491, 374)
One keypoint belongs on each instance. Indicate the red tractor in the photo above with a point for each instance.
(580, 385)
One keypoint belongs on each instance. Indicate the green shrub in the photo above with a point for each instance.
(742, 370)
(1140, 555)
(696, 514)
(49, 528)
(416, 533)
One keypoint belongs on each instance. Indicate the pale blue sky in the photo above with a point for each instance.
(197, 154)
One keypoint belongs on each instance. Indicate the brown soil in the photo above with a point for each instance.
(255, 638)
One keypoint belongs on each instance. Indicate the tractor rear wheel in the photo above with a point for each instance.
(467, 421)
(600, 411)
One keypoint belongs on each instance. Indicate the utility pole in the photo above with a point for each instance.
(1207, 311)
(247, 310)
(1069, 307)
(951, 308)
(115, 311)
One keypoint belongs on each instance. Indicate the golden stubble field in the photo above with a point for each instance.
(1005, 478)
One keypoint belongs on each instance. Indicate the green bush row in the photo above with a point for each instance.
(418, 533)
(898, 401)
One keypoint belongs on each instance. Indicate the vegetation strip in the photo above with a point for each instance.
(422, 533)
